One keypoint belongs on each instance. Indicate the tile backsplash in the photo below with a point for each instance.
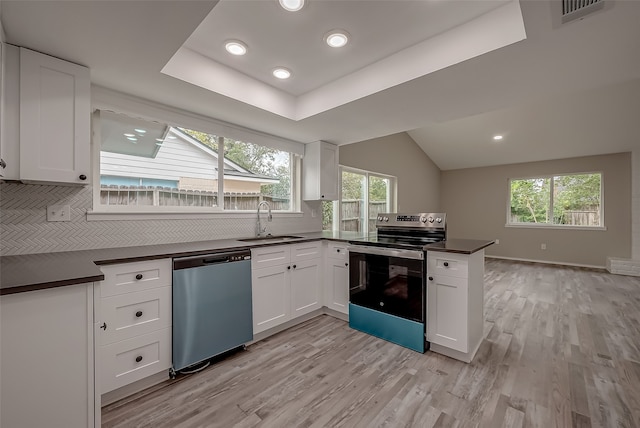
(24, 228)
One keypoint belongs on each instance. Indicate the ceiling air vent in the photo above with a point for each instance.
(575, 9)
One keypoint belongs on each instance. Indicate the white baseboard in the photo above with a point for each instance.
(547, 262)
(619, 266)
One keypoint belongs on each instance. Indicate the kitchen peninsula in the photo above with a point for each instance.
(455, 296)
(51, 297)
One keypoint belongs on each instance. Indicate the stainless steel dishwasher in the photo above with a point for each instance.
(212, 310)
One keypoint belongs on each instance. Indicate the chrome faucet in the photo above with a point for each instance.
(263, 231)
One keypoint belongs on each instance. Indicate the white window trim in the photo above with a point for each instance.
(181, 215)
(510, 224)
(104, 99)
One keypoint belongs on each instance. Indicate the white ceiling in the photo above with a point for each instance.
(566, 90)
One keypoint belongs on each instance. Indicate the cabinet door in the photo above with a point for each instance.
(54, 120)
(10, 112)
(305, 287)
(46, 358)
(338, 285)
(447, 303)
(320, 170)
(328, 172)
(270, 296)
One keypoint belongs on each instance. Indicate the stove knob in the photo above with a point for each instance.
(386, 219)
(430, 219)
(379, 218)
(439, 220)
(423, 219)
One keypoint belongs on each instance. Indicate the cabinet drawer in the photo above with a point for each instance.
(449, 264)
(130, 360)
(306, 251)
(136, 276)
(337, 250)
(270, 256)
(132, 314)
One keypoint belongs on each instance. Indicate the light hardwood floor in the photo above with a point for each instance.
(561, 349)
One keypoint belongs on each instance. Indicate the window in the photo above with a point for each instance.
(153, 166)
(566, 200)
(363, 195)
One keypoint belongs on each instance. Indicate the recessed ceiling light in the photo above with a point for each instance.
(281, 73)
(235, 47)
(336, 38)
(140, 131)
(497, 137)
(292, 5)
(129, 135)
(133, 139)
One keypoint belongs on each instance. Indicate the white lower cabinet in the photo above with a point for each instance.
(133, 359)
(133, 322)
(46, 358)
(447, 320)
(305, 287)
(336, 280)
(455, 303)
(286, 283)
(270, 296)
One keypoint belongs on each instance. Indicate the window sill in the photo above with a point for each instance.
(181, 215)
(553, 226)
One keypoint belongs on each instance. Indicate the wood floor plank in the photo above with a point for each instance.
(561, 349)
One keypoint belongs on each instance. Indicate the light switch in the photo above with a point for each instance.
(59, 213)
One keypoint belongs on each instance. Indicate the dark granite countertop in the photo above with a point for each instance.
(461, 246)
(31, 272)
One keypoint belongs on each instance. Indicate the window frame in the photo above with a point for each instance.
(551, 178)
(146, 110)
(391, 195)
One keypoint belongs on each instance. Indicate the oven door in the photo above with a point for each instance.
(388, 280)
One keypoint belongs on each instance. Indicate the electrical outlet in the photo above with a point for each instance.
(497, 241)
(314, 213)
(543, 246)
(59, 213)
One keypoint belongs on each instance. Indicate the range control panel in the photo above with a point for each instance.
(421, 220)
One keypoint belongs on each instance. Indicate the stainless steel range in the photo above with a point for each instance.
(387, 285)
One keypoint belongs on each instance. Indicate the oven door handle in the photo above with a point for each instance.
(389, 252)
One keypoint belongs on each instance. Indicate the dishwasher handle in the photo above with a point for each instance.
(215, 260)
(211, 259)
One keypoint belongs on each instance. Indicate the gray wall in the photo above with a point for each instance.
(475, 201)
(400, 156)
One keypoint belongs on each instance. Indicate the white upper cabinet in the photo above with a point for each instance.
(10, 112)
(55, 117)
(320, 168)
